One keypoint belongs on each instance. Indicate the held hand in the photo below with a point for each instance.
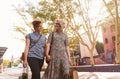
(48, 57)
(25, 64)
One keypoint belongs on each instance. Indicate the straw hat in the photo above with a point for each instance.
(36, 22)
(37, 19)
(61, 22)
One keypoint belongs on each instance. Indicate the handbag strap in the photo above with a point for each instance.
(52, 38)
(36, 41)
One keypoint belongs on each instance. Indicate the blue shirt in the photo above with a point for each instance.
(37, 50)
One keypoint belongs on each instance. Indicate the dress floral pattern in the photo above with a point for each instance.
(58, 66)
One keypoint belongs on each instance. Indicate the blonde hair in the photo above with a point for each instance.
(61, 22)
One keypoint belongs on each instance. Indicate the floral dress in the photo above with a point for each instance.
(58, 67)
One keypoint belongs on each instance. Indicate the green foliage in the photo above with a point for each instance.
(16, 63)
(99, 47)
(111, 5)
(6, 63)
(74, 44)
(69, 10)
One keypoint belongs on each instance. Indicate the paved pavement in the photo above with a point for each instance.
(14, 73)
(99, 75)
(10, 73)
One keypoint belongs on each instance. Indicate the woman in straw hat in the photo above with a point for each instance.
(34, 49)
(59, 57)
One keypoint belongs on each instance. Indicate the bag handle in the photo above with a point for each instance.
(26, 70)
(52, 38)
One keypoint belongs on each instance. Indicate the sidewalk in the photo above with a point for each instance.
(10, 73)
(14, 73)
(99, 75)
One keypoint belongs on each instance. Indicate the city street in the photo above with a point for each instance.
(14, 73)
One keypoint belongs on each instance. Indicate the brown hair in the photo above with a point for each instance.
(36, 23)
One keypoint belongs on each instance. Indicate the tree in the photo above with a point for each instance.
(112, 9)
(6, 63)
(99, 47)
(117, 23)
(90, 31)
(82, 28)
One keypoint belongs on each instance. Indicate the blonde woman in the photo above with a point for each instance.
(59, 57)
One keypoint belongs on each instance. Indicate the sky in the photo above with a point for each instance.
(8, 19)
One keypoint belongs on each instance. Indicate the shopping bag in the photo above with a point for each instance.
(74, 74)
(24, 74)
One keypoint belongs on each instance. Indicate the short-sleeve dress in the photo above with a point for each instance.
(58, 66)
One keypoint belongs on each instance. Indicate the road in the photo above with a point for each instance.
(14, 73)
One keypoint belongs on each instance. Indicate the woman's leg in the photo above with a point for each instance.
(35, 66)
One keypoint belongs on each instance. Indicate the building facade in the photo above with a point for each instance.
(108, 30)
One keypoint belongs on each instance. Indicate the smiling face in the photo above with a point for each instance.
(58, 27)
(38, 28)
(37, 25)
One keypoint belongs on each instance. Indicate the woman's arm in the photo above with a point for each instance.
(68, 50)
(47, 51)
(68, 54)
(27, 43)
(50, 39)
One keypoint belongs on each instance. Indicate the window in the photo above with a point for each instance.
(113, 38)
(106, 40)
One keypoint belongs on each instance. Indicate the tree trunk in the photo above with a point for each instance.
(91, 58)
(117, 35)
